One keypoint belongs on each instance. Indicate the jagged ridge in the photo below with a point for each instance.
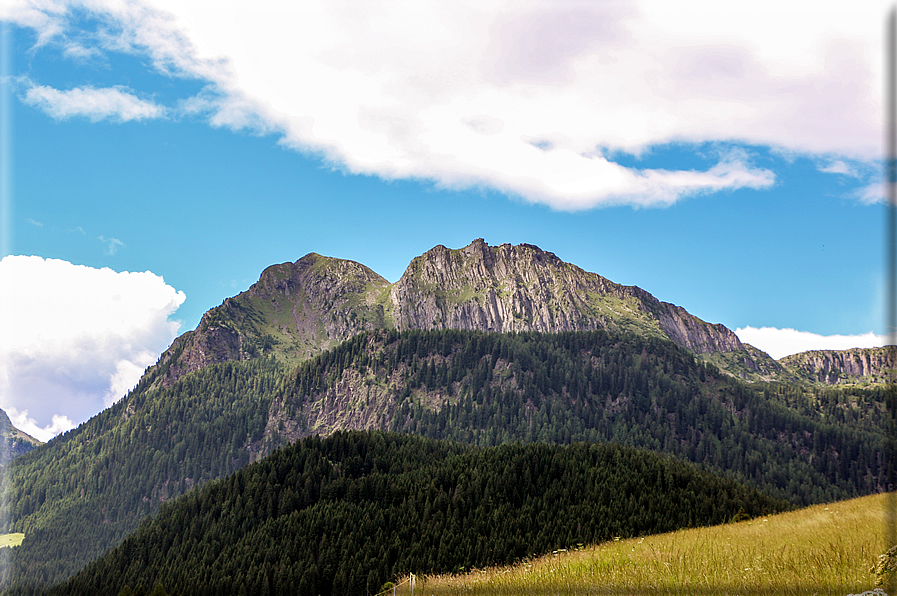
(297, 310)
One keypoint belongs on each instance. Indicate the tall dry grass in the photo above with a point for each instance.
(825, 549)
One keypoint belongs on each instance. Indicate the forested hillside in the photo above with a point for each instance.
(806, 445)
(344, 514)
(89, 488)
(86, 490)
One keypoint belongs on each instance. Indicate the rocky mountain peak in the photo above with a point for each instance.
(298, 309)
(523, 288)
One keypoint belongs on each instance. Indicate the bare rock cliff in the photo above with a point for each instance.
(523, 288)
(691, 332)
(834, 367)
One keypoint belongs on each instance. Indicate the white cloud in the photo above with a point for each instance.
(79, 53)
(839, 167)
(514, 96)
(116, 103)
(112, 244)
(871, 193)
(75, 339)
(779, 343)
(29, 425)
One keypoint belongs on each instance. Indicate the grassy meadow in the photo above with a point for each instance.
(11, 539)
(824, 549)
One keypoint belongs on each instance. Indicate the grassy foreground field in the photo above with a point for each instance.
(825, 549)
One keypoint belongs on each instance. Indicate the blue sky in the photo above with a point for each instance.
(699, 154)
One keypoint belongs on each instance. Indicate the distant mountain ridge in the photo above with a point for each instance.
(297, 310)
(840, 367)
(13, 442)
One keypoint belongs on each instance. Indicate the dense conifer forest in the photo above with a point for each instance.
(345, 514)
(87, 490)
(808, 445)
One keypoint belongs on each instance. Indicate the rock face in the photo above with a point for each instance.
(834, 367)
(296, 310)
(523, 288)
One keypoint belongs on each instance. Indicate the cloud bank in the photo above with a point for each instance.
(779, 343)
(528, 98)
(75, 339)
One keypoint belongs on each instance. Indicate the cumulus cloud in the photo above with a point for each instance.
(25, 423)
(779, 343)
(513, 96)
(75, 339)
(113, 103)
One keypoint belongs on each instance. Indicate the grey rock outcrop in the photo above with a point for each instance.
(523, 288)
(834, 367)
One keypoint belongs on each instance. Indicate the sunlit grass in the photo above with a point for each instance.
(11, 539)
(826, 549)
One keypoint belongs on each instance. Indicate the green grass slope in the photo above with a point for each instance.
(824, 549)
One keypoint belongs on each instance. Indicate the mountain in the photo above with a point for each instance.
(345, 514)
(297, 310)
(86, 490)
(13, 442)
(323, 344)
(595, 386)
(844, 367)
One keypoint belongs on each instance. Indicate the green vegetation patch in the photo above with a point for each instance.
(623, 313)
(85, 491)
(11, 540)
